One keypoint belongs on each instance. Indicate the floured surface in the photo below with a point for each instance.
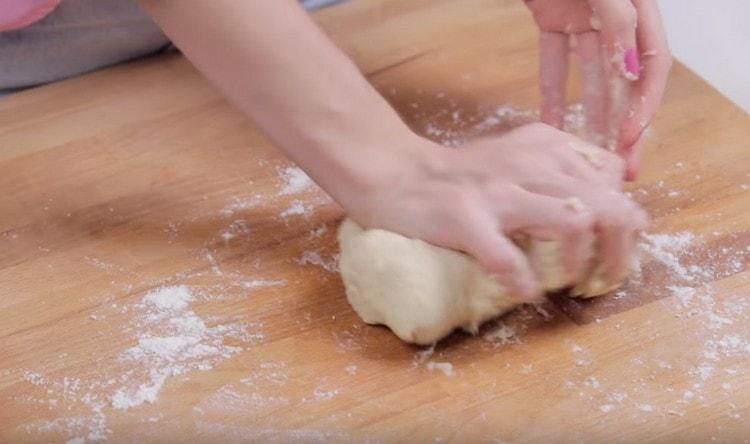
(167, 276)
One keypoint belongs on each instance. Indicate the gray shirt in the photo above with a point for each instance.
(81, 36)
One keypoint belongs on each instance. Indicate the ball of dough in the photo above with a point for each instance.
(423, 292)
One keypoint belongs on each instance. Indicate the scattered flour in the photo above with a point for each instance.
(295, 181)
(296, 208)
(237, 228)
(262, 283)
(667, 248)
(683, 294)
(445, 367)
(502, 335)
(243, 204)
(312, 257)
(172, 340)
(463, 128)
(325, 395)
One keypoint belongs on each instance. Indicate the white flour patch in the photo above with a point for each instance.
(684, 294)
(238, 204)
(445, 367)
(667, 249)
(238, 228)
(312, 257)
(324, 395)
(295, 181)
(262, 283)
(319, 231)
(231, 400)
(296, 208)
(465, 126)
(172, 340)
(502, 335)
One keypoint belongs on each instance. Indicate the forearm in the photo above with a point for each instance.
(270, 59)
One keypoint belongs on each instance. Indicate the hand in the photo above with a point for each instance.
(625, 64)
(476, 198)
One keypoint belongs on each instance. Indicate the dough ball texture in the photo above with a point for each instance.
(423, 292)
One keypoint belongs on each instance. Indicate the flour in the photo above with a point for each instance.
(502, 335)
(312, 257)
(667, 248)
(683, 294)
(296, 208)
(172, 340)
(324, 395)
(237, 228)
(463, 128)
(445, 367)
(262, 283)
(238, 204)
(294, 181)
(645, 408)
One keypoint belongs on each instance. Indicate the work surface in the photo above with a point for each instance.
(166, 275)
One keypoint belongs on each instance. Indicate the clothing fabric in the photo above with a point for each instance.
(17, 14)
(77, 37)
(42, 41)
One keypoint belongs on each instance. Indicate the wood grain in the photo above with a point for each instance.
(141, 177)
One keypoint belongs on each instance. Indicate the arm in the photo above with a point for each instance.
(271, 60)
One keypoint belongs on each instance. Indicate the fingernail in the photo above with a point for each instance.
(632, 64)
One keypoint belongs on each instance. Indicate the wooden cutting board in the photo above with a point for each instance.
(166, 275)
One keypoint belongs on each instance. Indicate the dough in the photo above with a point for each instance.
(423, 292)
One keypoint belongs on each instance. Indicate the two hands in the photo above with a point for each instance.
(275, 65)
(476, 199)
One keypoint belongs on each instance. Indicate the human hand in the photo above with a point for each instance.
(625, 64)
(477, 198)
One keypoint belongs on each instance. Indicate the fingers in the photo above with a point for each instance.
(632, 157)
(565, 220)
(503, 259)
(616, 21)
(618, 225)
(657, 62)
(594, 87)
(553, 76)
(589, 162)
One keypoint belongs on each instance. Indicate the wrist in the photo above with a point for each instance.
(380, 170)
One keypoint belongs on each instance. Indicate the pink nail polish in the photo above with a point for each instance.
(631, 62)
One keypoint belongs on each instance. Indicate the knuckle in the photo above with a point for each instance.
(579, 225)
(623, 215)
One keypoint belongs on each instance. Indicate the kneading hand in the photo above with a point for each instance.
(535, 181)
